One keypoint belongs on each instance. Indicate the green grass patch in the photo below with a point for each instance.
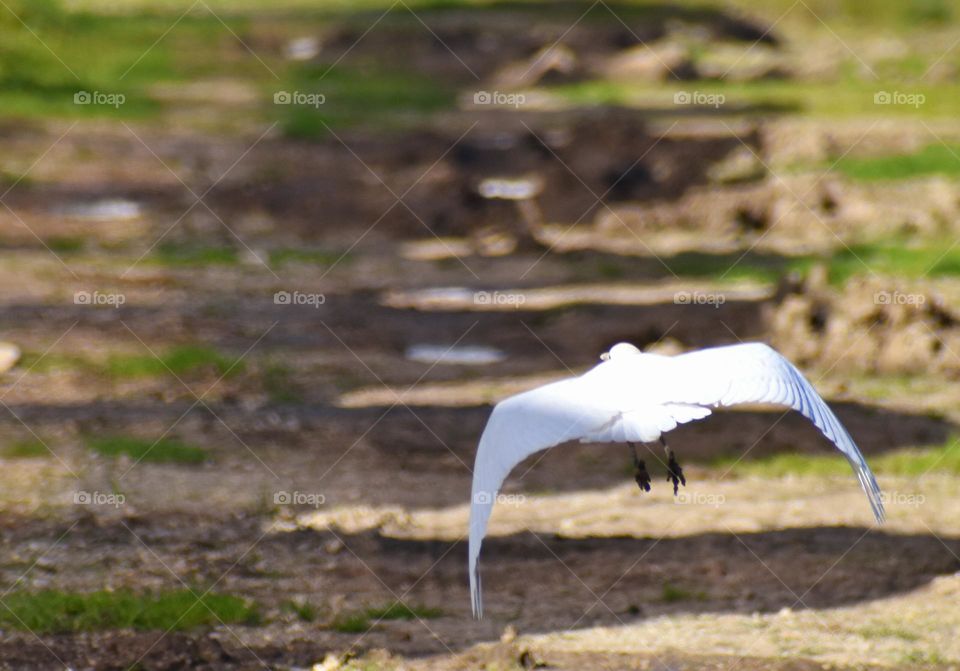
(370, 97)
(847, 96)
(401, 611)
(902, 13)
(32, 448)
(915, 462)
(65, 245)
(879, 387)
(935, 159)
(56, 611)
(49, 55)
(180, 360)
(887, 258)
(278, 382)
(304, 610)
(610, 270)
(900, 260)
(732, 266)
(908, 462)
(782, 465)
(670, 593)
(50, 362)
(166, 450)
(177, 254)
(351, 623)
(854, 15)
(923, 658)
(319, 257)
(361, 621)
(886, 631)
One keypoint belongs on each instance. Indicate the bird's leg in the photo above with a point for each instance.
(640, 474)
(674, 472)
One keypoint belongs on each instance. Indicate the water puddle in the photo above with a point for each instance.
(106, 209)
(466, 355)
(302, 49)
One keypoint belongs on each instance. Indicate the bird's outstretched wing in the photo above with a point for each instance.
(518, 427)
(756, 373)
(590, 407)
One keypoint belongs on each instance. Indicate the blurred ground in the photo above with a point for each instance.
(266, 268)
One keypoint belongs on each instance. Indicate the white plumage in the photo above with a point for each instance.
(635, 397)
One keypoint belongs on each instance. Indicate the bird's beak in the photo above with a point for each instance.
(605, 356)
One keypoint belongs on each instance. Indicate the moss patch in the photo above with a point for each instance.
(165, 450)
(55, 611)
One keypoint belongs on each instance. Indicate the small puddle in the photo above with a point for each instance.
(451, 297)
(107, 209)
(9, 356)
(662, 292)
(505, 188)
(302, 49)
(468, 355)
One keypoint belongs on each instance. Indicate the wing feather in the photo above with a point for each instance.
(756, 373)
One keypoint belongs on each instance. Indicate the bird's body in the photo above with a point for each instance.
(636, 397)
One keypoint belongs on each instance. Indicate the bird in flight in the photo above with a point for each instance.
(632, 397)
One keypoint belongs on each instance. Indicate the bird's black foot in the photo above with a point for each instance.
(641, 476)
(675, 474)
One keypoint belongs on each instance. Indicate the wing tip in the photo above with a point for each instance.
(476, 595)
(873, 492)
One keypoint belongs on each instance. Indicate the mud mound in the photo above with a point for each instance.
(466, 44)
(578, 157)
(873, 325)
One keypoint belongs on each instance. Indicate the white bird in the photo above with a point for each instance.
(631, 397)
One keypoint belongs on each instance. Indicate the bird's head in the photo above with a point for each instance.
(620, 351)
